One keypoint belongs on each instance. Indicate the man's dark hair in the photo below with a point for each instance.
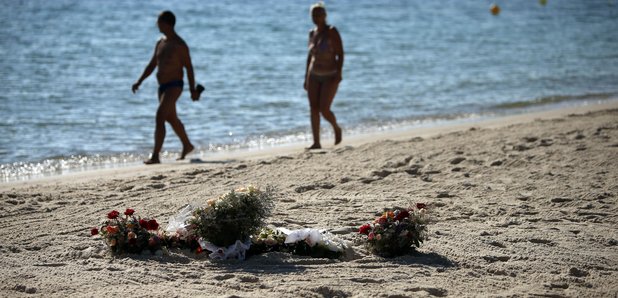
(168, 18)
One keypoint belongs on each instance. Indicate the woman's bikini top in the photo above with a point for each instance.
(322, 51)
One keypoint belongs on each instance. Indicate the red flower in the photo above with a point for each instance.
(402, 214)
(113, 215)
(381, 220)
(364, 229)
(421, 206)
(143, 223)
(94, 231)
(153, 225)
(198, 250)
(129, 212)
(112, 230)
(153, 241)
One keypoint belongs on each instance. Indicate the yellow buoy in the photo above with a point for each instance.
(543, 2)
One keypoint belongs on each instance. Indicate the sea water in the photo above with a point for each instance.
(66, 70)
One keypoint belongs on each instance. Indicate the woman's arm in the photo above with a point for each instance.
(308, 60)
(338, 47)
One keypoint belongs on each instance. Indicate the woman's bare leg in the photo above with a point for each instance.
(327, 95)
(313, 92)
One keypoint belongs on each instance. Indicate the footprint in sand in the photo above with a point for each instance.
(24, 289)
(330, 292)
(368, 180)
(578, 272)
(546, 142)
(521, 147)
(375, 176)
(125, 188)
(343, 149)
(438, 292)
(157, 186)
(414, 169)
(398, 164)
(496, 163)
(457, 160)
(223, 277)
(158, 177)
(345, 180)
(541, 241)
(381, 173)
(248, 278)
(561, 200)
(305, 188)
(493, 259)
(197, 172)
(367, 280)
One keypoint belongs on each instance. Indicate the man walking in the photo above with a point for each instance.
(171, 55)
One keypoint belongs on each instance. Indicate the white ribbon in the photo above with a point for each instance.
(313, 237)
(234, 251)
(178, 223)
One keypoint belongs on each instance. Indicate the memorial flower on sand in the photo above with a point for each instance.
(397, 231)
(228, 227)
(224, 225)
(268, 240)
(129, 234)
(303, 242)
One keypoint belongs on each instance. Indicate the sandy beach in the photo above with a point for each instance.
(523, 205)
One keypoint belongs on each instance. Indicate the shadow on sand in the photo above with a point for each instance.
(431, 259)
(200, 161)
(268, 263)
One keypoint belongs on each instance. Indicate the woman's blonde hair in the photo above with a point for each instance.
(317, 5)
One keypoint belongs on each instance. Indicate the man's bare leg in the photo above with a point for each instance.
(167, 108)
(179, 129)
(159, 136)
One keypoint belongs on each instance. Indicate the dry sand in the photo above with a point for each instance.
(522, 205)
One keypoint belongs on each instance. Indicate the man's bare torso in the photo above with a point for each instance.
(169, 59)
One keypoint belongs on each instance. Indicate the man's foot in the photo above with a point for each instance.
(314, 146)
(152, 161)
(185, 151)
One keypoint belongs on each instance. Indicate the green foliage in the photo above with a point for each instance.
(234, 216)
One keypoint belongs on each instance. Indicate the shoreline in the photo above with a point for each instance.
(521, 206)
(425, 130)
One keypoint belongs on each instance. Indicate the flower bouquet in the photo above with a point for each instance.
(179, 234)
(267, 240)
(396, 231)
(129, 234)
(232, 217)
(303, 242)
(315, 243)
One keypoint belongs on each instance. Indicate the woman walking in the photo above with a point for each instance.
(323, 72)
